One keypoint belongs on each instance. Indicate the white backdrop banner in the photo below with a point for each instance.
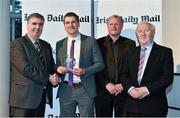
(133, 12)
(53, 11)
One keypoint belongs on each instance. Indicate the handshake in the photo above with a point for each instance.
(76, 71)
(54, 79)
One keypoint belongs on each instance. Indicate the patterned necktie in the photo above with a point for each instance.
(39, 51)
(141, 63)
(70, 81)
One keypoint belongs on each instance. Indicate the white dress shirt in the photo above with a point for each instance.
(77, 46)
(147, 53)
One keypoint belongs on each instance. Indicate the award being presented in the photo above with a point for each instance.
(69, 62)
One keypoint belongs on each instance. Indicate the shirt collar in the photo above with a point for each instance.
(111, 40)
(74, 38)
(33, 40)
(149, 46)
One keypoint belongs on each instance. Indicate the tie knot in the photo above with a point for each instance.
(143, 49)
(36, 45)
(73, 41)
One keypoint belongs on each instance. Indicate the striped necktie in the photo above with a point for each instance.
(141, 63)
(39, 51)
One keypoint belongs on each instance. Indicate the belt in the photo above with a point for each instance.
(74, 84)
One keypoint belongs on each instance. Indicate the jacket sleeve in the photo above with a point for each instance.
(96, 63)
(24, 66)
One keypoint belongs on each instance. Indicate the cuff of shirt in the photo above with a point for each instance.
(147, 91)
(130, 88)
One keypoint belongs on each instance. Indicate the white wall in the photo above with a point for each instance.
(171, 29)
(171, 38)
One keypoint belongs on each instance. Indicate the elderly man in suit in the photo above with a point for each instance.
(149, 73)
(32, 74)
(86, 61)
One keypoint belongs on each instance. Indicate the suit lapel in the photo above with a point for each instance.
(29, 44)
(44, 52)
(63, 51)
(152, 57)
(33, 51)
(82, 49)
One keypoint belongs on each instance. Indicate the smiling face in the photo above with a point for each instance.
(115, 26)
(145, 33)
(71, 25)
(35, 27)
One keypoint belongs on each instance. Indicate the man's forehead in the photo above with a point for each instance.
(34, 19)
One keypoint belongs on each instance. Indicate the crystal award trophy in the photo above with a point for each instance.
(69, 62)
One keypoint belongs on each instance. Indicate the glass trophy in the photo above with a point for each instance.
(69, 62)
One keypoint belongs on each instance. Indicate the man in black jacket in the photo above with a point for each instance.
(149, 73)
(114, 48)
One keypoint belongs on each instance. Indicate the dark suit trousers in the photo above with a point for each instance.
(21, 112)
(73, 97)
(104, 105)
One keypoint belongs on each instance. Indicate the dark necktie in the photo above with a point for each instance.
(70, 81)
(39, 51)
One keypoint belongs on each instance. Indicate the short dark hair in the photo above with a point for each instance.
(69, 14)
(36, 15)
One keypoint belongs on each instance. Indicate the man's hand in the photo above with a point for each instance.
(111, 88)
(119, 88)
(139, 93)
(78, 71)
(143, 91)
(134, 93)
(54, 79)
(62, 70)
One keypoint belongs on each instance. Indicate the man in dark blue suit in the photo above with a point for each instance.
(149, 73)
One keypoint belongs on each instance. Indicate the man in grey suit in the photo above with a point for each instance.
(87, 61)
(32, 74)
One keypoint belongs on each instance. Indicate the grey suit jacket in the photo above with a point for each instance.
(28, 75)
(90, 60)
